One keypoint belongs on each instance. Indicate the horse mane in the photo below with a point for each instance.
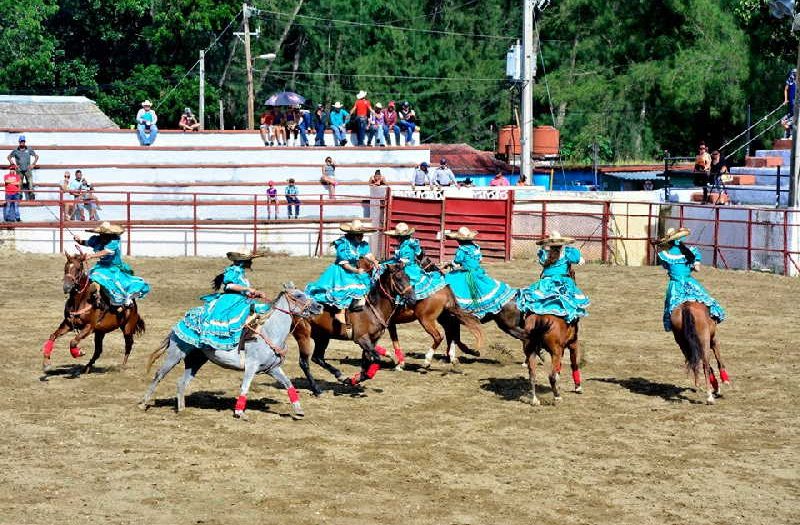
(690, 257)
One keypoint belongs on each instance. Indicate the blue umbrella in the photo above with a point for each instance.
(284, 98)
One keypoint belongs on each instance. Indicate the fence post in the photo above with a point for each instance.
(387, 211)
(255, 223)
(509, 223)
(442, 226)
(194, 221)
(61, 213)
(544, 220)
(604, 234)
(318, 249)
(778, 187)
(128, 222)
(786, 256)
(749, 239)
(647, 245)
(716, 234)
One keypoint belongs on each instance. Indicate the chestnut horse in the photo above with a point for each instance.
(696, 333)
(100, 317)
(554, 334)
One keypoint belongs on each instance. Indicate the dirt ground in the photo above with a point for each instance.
(636, 448)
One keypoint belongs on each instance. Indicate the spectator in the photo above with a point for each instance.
(647, 185)
(377, 179)
(407, 120)
(718, 171)
(188, 121)
(522, 181)
(292, 199)
(339, 118)
(377, 126)
(304, 126)
(90, 201)
(702, 166)
(421, 176)
(320, 121)
(279, 127)
(362, 110)
(392, 124)
(65, 190)
(498, 179)
(443, 176)
(12, 183)
(75, 189)
(292, 117)
(21, 158)
(146, 127)
(328, 179)
(468, 183)
(789, 91)
(265, 127)
(272, 200)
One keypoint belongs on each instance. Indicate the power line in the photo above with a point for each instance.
(404, 77)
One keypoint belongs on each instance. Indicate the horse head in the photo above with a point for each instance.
(394, 281)
(300, 304)
(74, 271)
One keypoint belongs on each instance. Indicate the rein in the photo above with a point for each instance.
(385, 293)
(256, 330)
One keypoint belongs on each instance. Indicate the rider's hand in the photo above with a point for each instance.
(76, 238)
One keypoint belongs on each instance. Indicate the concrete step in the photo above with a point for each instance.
(782, 144)
(713, 197)
(742, 180)
(764, 176)
(763, 161)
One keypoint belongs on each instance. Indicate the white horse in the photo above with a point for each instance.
(263, 354)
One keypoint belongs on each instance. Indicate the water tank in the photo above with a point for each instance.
(545, 141)
(508, 141)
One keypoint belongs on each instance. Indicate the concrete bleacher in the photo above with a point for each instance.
(759, 176)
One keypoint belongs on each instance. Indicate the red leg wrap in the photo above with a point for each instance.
(399, 356)
(241, 402)
(723, 374)
(576, 377)
(356, 379)
(75, 351)
(294, 397)
(713, 380)
(381, 351)
(372, 370)
(47, 348)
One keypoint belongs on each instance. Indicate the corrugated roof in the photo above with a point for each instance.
(26, 112)
(465, 160)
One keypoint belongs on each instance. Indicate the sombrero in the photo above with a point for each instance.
(462, 234)
(243, 254)
(673, 235)
(555, 239)
(107, 227)
(401, 229)
(357, 226)
(361, 94)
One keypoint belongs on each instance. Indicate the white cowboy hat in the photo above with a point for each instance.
(337, 104)
(147, 103)
(244, 254)
(361, 94)
(555, 239)
(107, 227)
(462, 234)
(357, 226)
(401, 229)
(673, 235)
(378, 105)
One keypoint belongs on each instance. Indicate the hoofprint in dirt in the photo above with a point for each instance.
(639, 446)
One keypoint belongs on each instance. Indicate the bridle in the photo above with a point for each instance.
(393, 285)
(388, 295)
(81, 277)
(303, 313)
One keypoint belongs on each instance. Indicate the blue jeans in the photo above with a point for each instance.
(396, 129)
(361, 130)
(145, 139)
(339, 135)
(11, 208)
(319, 137)
(379, 134)
(303, 136)
(409, 128)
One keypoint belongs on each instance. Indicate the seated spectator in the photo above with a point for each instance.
(376, 127)
(498, 179)
(12, 183)
(146, 127)
(272, 200)
(188, 121)
(392, 126)
(339, 118)
(377, 179)
(291, 121)
(265, 127)
(407, 120)
(292, 199)
(522, 181)
(279, 127)
(328, 179)
(76, 189)
(443, 175)
(90, 201)
(468, 183)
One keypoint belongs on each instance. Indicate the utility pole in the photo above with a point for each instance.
(249, 60)
(528, 72)
(793, 201)
(201, 107)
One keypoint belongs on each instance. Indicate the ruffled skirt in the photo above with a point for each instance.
(219, 322)
(558, 296)
(338, 287)
(685, 290)
(478, 293)
(122, 287)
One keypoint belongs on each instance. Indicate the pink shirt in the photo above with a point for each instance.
(499, 182)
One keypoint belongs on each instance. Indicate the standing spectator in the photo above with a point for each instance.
(292, 117)
(702, 167)
(21, 158)
(339, 118)
(499, 179)
(320, 122)
(304, 126)
(188, 121)
(328, 179)
(68, 206)
(146, 127)
(12, 183)
(362, 110)
(789, 91)
(265, 127)
(90, 201)
(377, 179)
(391, 124)
(443, 176)
(377, 126)
(75, 189)
(408, 119)
(272, 200)
(421, 176)
(717, 173)
(292, 199)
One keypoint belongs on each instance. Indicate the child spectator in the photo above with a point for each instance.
(265, 127)
(90, 201)
(188, 121)
(328, 179)
(272, 200)
(292, 199)
(377, 179)
(12, 182)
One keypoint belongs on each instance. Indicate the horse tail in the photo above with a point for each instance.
(694, 348)
(152, 358)
(140, 327)
(471, 322)
(541, 325)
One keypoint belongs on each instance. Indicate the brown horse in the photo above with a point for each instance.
(696, 333)
(554, 334)
(87, 310)
(314, 333)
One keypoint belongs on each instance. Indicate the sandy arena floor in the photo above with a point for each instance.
(636, 448)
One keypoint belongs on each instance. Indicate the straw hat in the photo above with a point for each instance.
(361, 94)
(378, 106)
(337, 104)
(147, 103)
(357, 226)
(462, 234)
(555, 239)
(673, 235)
(107, 227)
(243, 254)
(401, 229)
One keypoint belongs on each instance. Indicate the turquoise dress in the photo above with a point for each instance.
(425, 283)
(336, 286)
(682, 287)
(114, 274)
(475, 291)
(221, 319)
(556, 292)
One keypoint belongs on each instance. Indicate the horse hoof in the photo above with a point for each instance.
(534, 401)
(143, 406)
(578, 389)
(297, 412)
(399, 367)
(558, 399)
(426, 365)
(46, 366)
(239, 414)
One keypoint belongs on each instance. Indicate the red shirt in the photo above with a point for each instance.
(267, 119)
(502, 181)
(12, 181)
(362, 107)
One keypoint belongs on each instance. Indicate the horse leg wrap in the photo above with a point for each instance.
(76, 351)
(576, 377)
(713, 380)
(399, 356)
(723, 374)
(372, 370)
(294, 397)
(381, 351)
(241, 402)
(47, 348)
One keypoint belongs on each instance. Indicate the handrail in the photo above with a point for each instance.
(756, 123)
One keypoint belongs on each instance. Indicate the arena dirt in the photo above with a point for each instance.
(636, 448)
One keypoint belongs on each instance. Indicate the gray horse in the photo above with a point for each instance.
(263, 354)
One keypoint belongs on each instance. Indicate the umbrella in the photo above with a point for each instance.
(284, 98)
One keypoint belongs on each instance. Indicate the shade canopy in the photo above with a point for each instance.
(284, 98)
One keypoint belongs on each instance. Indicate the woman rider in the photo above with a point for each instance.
(220, 321)
(475, 291)
(680, 261)
(111, 272)
(555, 293)
(408, 252)
(343, 284)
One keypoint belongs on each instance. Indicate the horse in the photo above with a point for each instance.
(553, 334)
(264, 353)
(88, 310)
(314, 333)
(695, 331)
